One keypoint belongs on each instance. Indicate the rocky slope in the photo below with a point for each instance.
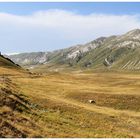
(115, 52)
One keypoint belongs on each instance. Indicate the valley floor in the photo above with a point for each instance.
(60, 100)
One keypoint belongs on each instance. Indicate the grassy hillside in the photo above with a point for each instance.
(6, 62)
(15, 108)
(16, 112)
(64, 97)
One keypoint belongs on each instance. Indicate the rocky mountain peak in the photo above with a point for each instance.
(133, 34)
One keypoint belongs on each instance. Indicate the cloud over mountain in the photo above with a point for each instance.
(55, 29)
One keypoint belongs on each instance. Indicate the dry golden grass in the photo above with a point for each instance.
(65, 97)
(61, 103)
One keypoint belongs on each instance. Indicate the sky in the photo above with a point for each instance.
(32, 27)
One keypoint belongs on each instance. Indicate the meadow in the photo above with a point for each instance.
(60, 101)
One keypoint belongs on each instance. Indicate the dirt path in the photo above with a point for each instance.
(94, 108)
(52, 96)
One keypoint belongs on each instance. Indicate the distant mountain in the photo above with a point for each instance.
(114, 52)
(33, 58)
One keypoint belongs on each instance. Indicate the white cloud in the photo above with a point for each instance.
(54, 29)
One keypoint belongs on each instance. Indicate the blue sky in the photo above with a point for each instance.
(24, 8)
(26, 27)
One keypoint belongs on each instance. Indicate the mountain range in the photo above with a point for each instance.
(120, 52)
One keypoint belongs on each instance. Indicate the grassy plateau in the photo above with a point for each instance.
(55, 104)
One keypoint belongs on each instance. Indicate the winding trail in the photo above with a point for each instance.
(94, 108)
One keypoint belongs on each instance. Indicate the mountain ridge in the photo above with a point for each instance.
(113, 52)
